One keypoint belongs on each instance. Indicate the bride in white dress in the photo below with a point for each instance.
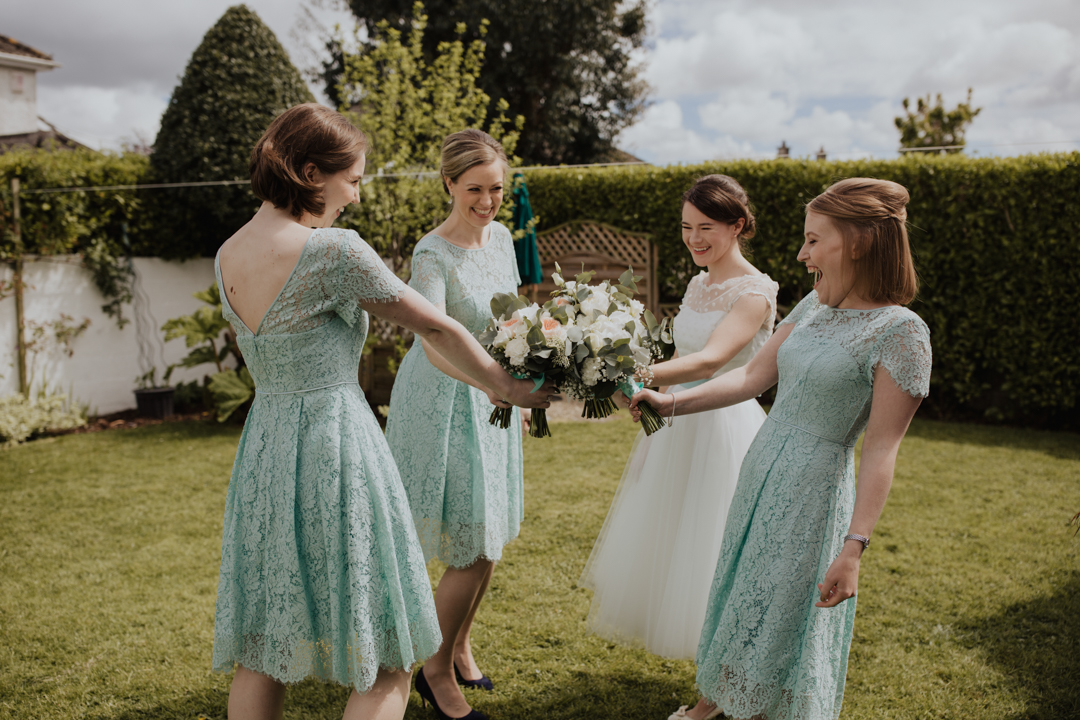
(653, 563)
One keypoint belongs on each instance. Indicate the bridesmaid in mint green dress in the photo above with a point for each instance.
(849, 358)
(322, 574)
(463, 474)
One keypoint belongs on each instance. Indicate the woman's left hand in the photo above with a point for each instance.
(526, 421)
(842, 577)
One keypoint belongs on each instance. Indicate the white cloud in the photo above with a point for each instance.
(104, 117)
(834, 72)
(661, 136)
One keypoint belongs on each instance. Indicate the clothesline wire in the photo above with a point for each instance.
(213, 183)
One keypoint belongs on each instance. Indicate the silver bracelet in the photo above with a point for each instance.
(671, 420)
(861, 538)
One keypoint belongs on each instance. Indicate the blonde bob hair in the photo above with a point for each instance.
(871, 216)
(466, 149)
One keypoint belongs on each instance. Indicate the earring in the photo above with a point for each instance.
(451, 199)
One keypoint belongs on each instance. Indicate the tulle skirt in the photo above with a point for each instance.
(653, 564)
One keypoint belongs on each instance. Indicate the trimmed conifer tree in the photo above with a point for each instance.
(237, 81)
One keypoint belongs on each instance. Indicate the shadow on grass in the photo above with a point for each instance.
(1063, 445)
(1037, 644)
(610, 694)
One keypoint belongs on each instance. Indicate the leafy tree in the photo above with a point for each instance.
(563, 65)
(407, 105)
(933, 125)
(237, 81)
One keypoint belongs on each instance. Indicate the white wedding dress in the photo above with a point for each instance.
(653, 564)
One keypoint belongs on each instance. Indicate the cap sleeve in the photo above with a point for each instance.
(799, 310)
(761, 285)
(904, 351)
(428, 276)
(362, 277)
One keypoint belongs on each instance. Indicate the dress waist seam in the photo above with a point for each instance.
(306, 390)
(808, 432)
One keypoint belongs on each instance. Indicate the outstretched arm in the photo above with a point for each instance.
(745, 383)
(453, 342)
(890, 414)
(729, 337)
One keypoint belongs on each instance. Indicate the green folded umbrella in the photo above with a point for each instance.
(528, 257)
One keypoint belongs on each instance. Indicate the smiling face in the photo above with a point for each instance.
(826, 255)
(708, 240)
(338, 191)
(478, 193)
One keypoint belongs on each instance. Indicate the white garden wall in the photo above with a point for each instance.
(107, 360)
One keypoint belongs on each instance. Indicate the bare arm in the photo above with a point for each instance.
(454, 344)
(729, 337)
(745, 383)
(890, 414)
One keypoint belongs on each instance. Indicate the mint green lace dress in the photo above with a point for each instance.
(463, 475)
(321, 572)
(765, 650)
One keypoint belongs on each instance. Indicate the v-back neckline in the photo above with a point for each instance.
(225, 295)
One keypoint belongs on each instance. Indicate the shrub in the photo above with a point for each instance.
(994, 240)
(237, 81)
(22, 417)
(97, 224)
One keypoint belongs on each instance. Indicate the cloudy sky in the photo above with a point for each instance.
(729, 78)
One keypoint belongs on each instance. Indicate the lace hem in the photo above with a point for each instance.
(740, 698)
(459, 545)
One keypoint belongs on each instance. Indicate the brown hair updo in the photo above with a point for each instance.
(722, 198)
(308, 133)
(466, 149)
(871, 216)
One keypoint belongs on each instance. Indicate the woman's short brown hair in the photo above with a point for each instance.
(464, 150)
(722, 198)
(871, 216)
(308, 133)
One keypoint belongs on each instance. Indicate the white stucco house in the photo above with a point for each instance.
(19, 120)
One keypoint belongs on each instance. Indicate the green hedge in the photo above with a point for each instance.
(995, 241)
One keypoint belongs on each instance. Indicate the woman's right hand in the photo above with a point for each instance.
(520, 393)
(660, 403)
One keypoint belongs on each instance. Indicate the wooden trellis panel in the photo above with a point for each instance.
(602, 248)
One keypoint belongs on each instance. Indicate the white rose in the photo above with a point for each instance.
(590, 371)
(517, 350)
(636, 308)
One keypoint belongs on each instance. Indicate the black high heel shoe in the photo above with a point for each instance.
(426, 696)
(484, 683)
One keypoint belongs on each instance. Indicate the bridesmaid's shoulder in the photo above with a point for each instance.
(908, 321)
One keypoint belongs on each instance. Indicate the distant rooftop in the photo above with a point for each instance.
(11, 46)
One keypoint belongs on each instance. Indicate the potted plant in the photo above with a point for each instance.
(153, 400)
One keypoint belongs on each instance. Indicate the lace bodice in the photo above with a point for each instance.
(827, 365)
(335, 273)
(462, 281)
(705, 305)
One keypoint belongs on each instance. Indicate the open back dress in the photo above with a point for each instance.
(322, 574)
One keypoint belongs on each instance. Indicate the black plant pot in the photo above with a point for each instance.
(154, 402)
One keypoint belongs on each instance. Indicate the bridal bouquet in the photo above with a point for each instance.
(614, 338)
(528, 342)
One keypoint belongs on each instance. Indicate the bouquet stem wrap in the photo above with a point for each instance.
(650, 419)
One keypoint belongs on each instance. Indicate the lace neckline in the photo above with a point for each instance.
(292, 273)
(722, 283)
(485, 246)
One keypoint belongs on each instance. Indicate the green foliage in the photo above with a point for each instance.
(407, 105)
(22, 417)
(563, 65)
(994, 241)
(93, 223)
(237, 81)
(229, 388)
(931, 125)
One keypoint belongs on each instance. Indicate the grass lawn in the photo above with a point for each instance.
(969, 603)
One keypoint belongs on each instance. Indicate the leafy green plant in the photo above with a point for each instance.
(236, 82)
(22, 417)
(207, 333)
